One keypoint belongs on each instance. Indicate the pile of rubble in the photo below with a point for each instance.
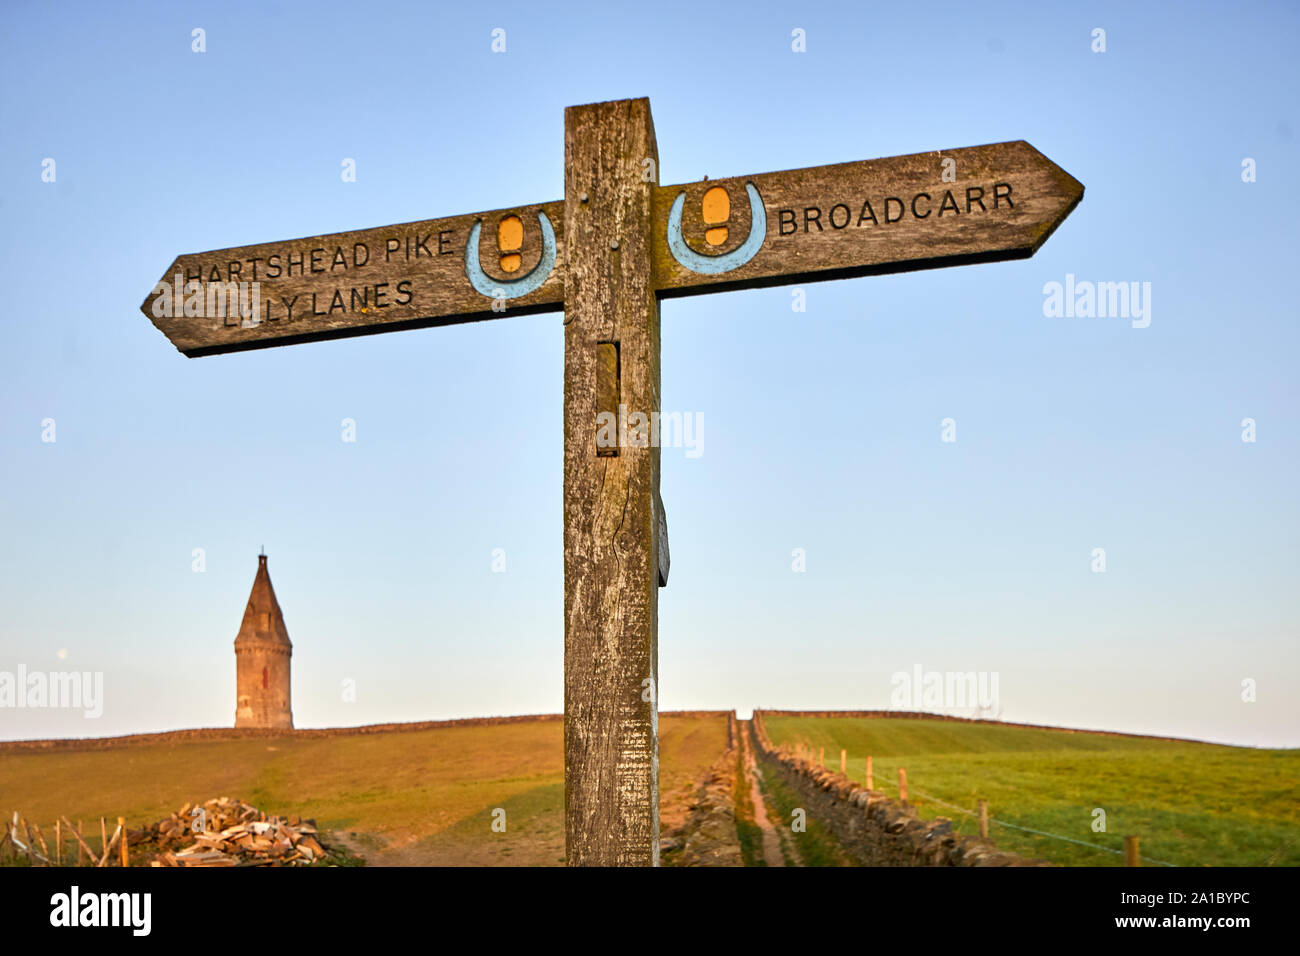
(226, 832)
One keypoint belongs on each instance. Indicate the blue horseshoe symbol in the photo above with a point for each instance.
(510, 288)
(713, 265)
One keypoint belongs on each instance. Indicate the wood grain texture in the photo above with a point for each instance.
(387, 279)
(820, 220)
(611, 565)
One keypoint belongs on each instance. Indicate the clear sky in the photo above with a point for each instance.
(822, 428)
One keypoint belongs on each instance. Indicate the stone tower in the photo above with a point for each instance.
(262, 652)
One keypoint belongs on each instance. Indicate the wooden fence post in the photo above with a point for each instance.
(870, 780)
(1131, 857)
(821, 757)
(126, 855)
(902, 785)
(58, 842)
(31, 837)
(82, 845)
(108, 849)
(984, 818)
(103, 836)
(844, 761)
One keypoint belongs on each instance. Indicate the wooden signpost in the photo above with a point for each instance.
(606, 255)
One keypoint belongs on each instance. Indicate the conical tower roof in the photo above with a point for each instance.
(263, 623)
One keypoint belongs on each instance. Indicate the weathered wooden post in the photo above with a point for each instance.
(80, 843)
(58, 842)
(821, 757)
(126, 856)
(871, 784)
(1131, 857)
(844, 761)
(612, 512)
(902, 785)
(983, 807)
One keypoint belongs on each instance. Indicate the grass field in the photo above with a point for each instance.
(415, 797)
(1192, 804)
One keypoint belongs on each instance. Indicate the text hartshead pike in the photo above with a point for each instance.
(102, 909)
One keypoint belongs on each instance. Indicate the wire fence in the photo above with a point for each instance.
(876, 783)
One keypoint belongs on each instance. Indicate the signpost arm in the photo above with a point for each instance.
(611, 525)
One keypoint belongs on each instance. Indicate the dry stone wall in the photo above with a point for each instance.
(873, 829)
(709, 836)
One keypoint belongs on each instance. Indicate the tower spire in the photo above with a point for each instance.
(262, 655)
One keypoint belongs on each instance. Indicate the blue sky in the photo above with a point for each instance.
(821, 428)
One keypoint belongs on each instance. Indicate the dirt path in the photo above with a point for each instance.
(772, 854)
(377, 850)
(371, 848)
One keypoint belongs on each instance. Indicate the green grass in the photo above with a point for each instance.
(1192, 804)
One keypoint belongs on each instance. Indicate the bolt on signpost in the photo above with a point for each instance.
(606, 255)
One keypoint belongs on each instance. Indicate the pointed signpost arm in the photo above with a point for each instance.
(611, 525)
(387, 279)
(898, 214)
